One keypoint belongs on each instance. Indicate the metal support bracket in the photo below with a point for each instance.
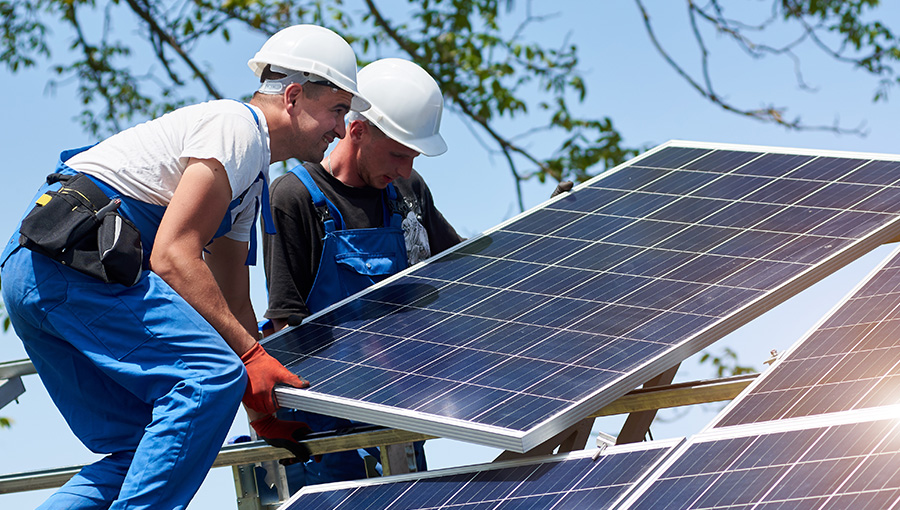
(638, 423)
(10, 390)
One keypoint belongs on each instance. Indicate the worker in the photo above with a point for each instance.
(355, 218)
(139, 325)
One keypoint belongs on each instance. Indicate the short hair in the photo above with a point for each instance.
(268, 74)
(315, 91)
(354, 115)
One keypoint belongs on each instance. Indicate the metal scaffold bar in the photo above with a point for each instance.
(673, 395)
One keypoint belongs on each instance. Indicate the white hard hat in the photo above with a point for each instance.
(314, 50)
(406, 104)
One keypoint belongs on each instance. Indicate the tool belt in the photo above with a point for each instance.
(79, 227)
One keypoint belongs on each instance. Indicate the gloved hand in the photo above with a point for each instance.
(263, 373)
(562, 187)
(283, 434)
(295, 319)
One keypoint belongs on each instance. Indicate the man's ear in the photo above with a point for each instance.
(291, 95)
(357, 129)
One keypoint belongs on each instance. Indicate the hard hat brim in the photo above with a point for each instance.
(430, 146)
(358, 103)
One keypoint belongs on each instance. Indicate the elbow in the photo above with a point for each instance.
(241, 307)
(164, 264)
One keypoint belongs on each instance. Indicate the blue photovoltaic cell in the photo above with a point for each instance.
(667, 251)
(574, 481)
(851, 361)
(846, 466)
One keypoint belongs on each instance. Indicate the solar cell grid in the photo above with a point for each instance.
(793, 165)
(548, 250)
(668, 251)
(826, 169)
(720, 161)
(674, 157)
(841, 195)
(849, 224)
(573, 481)
(553, 280)
(806, 468)
(670, 185)
(880, 201)
(786, 191)
(741, 213)
(511, 338)
(589, 199)
(875, 172)
(593, 227)
(638, 204)
(850, 361)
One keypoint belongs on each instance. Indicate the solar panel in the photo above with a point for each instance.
(817, 430)
(850, 360)
(521, 332)
(842, 465)
(577, 480)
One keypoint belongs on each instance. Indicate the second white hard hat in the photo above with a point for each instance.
(406, 104)
(315, 50)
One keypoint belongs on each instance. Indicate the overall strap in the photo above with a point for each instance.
(391, 201)
(268, 223)
(252, 112)
(328, 213)
(265, 208)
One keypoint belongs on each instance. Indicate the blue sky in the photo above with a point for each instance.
(627, 81)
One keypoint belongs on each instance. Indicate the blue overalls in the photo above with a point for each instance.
(351, 261)
(138, 373)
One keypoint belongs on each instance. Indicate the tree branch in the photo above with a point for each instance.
(769, 114)
(505, 145)
(156, 29)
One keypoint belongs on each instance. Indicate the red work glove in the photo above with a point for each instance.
(283, 434)
(263, 373)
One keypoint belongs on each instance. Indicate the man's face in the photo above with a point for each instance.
(383, 160)
(318, 119)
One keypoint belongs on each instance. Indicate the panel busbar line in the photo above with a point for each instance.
(577, 480)
(521, 332)
(849, 361)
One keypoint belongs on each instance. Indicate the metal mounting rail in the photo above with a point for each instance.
(230, 455)
(672, 395)
(17, 368)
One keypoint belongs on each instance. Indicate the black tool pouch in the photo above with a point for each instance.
(78, 226)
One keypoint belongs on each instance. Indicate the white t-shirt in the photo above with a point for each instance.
(146, 162)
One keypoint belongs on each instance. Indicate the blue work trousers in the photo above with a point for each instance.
(136, 372)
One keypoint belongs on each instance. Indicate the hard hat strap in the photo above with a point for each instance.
(298, 77)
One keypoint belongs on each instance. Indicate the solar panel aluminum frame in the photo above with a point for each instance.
(786, 355)
(522, 441)
(670, 444)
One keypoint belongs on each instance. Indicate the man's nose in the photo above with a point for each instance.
(405, 170)
(340, 129)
